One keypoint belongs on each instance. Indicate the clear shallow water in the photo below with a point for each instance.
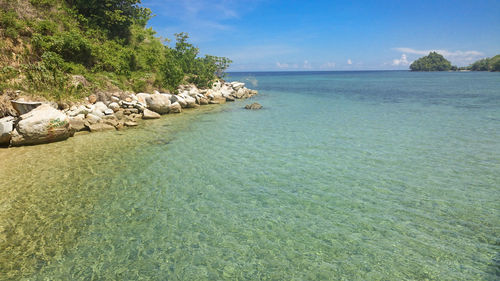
(342, 176)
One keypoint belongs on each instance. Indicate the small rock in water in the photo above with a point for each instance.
(149, 114)
(131, 124)
(253, 106)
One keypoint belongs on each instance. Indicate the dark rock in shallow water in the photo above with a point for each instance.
(253, 106)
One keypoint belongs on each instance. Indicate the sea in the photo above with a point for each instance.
(361, 175)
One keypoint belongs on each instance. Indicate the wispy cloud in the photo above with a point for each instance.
(307, 65)
(401, 62)
(349, 61)
(200, 18)
(282, 65)
(328, 65)
(460, 57)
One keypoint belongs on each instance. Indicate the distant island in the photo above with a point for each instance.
(436, 62)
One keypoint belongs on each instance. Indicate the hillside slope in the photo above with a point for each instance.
(65, 50)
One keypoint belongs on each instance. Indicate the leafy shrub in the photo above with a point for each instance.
(113, 57)
(73, 47)
(46, 27)
(12, 26)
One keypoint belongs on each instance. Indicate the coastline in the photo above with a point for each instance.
(43, 122)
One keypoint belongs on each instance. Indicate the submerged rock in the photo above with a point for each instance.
(100, 127)
(253, 106)
(44, 124)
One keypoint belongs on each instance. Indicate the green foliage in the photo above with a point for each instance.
(480, 65)
(49, 73)
(486, 64)
(115, 16)
(106, 41)
(46, 27)
(431, 62)
(11, 24)
(494, 63)
(43, 3)
(112, 56)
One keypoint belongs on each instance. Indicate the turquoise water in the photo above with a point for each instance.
(342, 176)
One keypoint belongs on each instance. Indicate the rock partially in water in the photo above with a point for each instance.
(175, 108)
(131, 124)
(77, 123)
(253, 106)
(6, 127)
(179, 100)
(92, 119)
(100, 127)
(43, 124)
(149, 114)
(158, 103)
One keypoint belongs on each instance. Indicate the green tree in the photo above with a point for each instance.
(431, 62)
(481, 65)
(116, 16)
(494, 64)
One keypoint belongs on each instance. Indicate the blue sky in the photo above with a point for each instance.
(332, 35)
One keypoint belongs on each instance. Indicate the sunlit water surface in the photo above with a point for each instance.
(342, 176)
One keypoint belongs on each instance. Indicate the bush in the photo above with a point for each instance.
(12, 26)
(46, 27)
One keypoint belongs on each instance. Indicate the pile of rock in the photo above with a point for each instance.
(110, 111)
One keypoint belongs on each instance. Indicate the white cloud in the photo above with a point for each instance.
(460, 57)
(328, 65)
(349, 61)
(282, 65)
(402, 61)
(307, 65)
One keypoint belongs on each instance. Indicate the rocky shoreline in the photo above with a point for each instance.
(39, 122)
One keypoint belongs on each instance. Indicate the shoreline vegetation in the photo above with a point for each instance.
(436, 62)
(73, 65)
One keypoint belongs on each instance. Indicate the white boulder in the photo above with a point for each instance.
(41, 125)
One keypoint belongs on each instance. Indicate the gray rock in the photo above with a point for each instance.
(175, 108)
(114, 106)
(253, 106)
(6, 127)
(142, 97)
(180, 100)
(129, 111)
(77, 123)
(148, 114)
(158, 103)
(110, 120)
(100, 127)
(92, 119)
(237, 85)
(108, 111)
(23, 107)
(131, 123)
(41, 125)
